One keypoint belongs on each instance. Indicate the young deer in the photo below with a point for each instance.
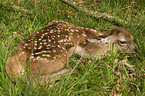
(47, 51)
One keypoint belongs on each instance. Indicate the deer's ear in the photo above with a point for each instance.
(92, 40)
(102, 36)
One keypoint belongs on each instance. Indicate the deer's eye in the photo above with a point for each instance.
(124, 43)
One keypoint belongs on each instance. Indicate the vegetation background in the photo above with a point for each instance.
(89, 77)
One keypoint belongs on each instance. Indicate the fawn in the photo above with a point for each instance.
(47, 51)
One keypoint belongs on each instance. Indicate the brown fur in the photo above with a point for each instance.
(46, 52)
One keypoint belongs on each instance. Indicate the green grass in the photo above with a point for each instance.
(89, 77)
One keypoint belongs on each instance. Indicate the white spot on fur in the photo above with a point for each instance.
(92, 29)
(41, 36)
(54, 58)
(64, 54)
(70, 33)
(100, 33)
(39, 47)
(39, 39)
(44, 40)
(25, 44)
(77, 30)
(63, 48)
(37, 53)
(66, 36)
(53, 36)
(82, 27)
(43, 54)
(60, 40)
(23, 52)
(49, 40)
(32, 57)
(45, 43)
(59, 46)
(51, 31)
(95, 30)
(40, 43)
(72, 30)
(52, 46)
(54, 51)
(44, 51)
(38, 57)
(35, 44)
(84, 35)
(48, 51)
(48, 55)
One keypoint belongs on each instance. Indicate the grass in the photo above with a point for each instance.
(89, 77)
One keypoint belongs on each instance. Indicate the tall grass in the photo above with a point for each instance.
(89, 77)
